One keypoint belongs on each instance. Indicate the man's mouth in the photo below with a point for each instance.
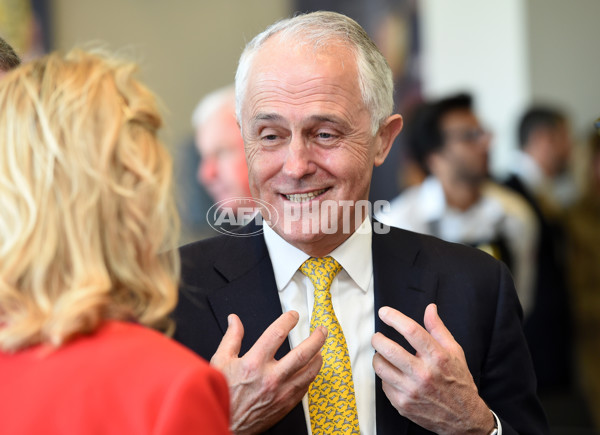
(304, 197)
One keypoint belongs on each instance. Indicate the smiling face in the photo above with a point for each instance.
(308, 140)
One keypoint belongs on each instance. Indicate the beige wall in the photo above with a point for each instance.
(479, 47)
(186, 48)
(511, 53)
(563, 50)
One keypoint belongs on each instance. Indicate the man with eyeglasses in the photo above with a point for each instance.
(457, 201)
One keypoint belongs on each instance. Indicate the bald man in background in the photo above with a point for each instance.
(222, 169)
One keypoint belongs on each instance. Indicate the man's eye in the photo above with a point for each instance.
(270, 139)
(324, 135)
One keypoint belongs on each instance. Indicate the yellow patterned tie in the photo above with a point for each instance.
(331, 401)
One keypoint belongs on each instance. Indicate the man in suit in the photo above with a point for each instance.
(544, 153)
(314, 102)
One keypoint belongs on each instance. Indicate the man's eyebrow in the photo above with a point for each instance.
(272, 116)
(266, 117)
(326, 118)
(336, 121)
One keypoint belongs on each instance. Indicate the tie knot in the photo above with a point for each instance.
(321, 271)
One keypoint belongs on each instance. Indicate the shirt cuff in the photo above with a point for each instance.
(498, 424)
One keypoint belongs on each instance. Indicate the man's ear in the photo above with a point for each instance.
(386, 135)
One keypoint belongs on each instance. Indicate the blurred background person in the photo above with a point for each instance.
(87, 259)
(583, 242)
(543, 158)
(8, 58)
(544, 151)
(457, 201)
(222, 201)
(222, 169)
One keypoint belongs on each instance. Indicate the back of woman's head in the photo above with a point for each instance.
(87, 221)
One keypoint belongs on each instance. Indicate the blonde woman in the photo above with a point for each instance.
(88, 261)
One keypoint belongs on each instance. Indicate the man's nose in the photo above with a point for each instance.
(207, 171)
(485, 140)
(299, 159)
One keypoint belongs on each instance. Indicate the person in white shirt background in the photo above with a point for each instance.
(458, 201)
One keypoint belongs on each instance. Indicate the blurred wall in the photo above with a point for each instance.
(186, 48)
(563, 54)
(511, 53)
(479, 47)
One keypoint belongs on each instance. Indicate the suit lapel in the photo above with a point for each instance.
(251, 293)
(400, 284)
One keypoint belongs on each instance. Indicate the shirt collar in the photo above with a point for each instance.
(286, 259)
(435, 208)
(529, 171)
(432, 199)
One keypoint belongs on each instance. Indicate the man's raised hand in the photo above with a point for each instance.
(262, 389)
(433, 388)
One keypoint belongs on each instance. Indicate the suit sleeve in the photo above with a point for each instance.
(508, 382)
(197, 402)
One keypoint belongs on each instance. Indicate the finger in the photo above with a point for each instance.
(300, 380)
(230, 343)
(414, 333)
(436, 327)
(394, 353)
(396, 398)
(304, 353)
(267, 344)
(390, 374)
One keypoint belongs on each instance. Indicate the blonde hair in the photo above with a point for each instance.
(88, 227)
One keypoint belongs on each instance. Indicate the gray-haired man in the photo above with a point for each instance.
(432, 330)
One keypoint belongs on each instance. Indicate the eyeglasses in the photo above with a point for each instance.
(468, 135)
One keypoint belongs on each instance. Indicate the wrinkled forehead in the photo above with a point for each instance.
(312, 43)
(285, 64)
(302, 51)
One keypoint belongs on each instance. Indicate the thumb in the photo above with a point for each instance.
(230, 343)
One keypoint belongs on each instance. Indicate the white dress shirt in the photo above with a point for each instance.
(353, 301)
(529, 172)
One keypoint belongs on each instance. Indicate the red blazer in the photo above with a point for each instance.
(123, 379)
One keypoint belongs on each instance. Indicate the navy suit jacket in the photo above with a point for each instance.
(548, 329)
(474, 293)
